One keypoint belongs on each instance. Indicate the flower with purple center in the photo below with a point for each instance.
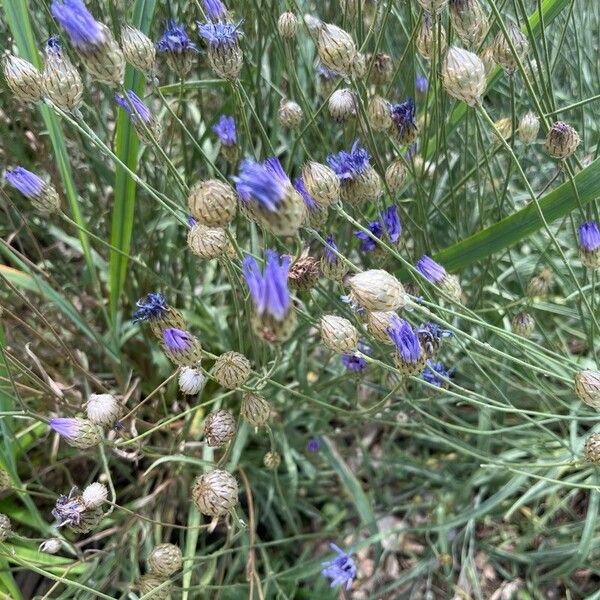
(349, 165)
(26, 182)
(434, 373)
(225, 130)
(313, 445)
(215, 9)
(341, 569)
(330, 256)
(67, 427)
(421, 84)
(403, 115)
(134, 107)
(391, 220)
(266, 183)
(69, 509)
(177, 340)
(175, 39)
(308, 199)
(79, 24)
(269, 289)
(153, 306)
(431, 270)
(219, 35)
(367, 243)
(589, 236)
(405, 339)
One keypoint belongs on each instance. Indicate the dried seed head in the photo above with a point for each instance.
(215, 493)
(212, 202)
(382, 69)
(208, 242)
(529, 126)
(365, 187)
(321, 183)
(94, 495)
(463, 75)
(523, 324)
(154, 587)
(562, 140)
(338, 334)
(255, 409)
(539, 284)
(50, 546)
(5, 481)
(395, 175)
(164, 560)
(138, 49)
(378, 323)
(287, 25)
(342, 105)
(24, 80)
(503, 55)
(191, 380)
(587, 387)
(336, 49)
(377, 290)
(378, 114)
(272, 460)
(219, 428)
(231, 370)
(427, 38)
(5, 527)
(103, 409)
(468, 20)
(289, 114)
(592, 448)
(61, 80)
(304, 274)
(433, 6)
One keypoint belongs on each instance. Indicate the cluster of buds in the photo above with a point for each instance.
(231, 370)
(215, 493)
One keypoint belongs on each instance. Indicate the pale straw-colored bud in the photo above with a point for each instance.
(539, 284)
(103, 409)
(342, 105)
(333, 268)
(287, 25)
(50, 546)
(529, 126)
(382, 69)
(591, 448)
(191, 380)
(562, 140)
(164, 560)
(226, 61)
(231, 370)
(105, 62)
(487, 58)
(272, 460)
(304, 274)
(255, 409)
(359, 66)
(94, 495)
(378, 323)
(366, 187)
(219, 428)
(395, 175)
(377, 290)
(504, 127)
(154, 587)
(523, 324)
(587, 387)
(23, 79)
(338, 334)
(427, 38)
(321, 183)
(468, 20)
(138, 49)
(336, 49)
(503, 55)
(451, 286)
(212, 202)
(5, 481)
(433, 6)
(215, 493)
(208, 242)
(5, 527)
(61, 80)
(289, 114)
(378, 114)
(463, 75)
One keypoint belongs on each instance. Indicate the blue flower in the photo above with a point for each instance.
(79, 24)
(66, 427)
(589, 236)
(432, 372)
(405, 339)
(219, 35)
(354, 363)
(367, 243)
(391, 225)
(68, 509)
(215, 9)
(28, 183)
(313, 445)
(225, 130)
(330, 246)
(403, 115)
(301, 189)
(269, 289)
(141, 110)
(153, 306)
(341, 569)
(175, 39)
(349, 165)
(432, 271)
(391, 220)
(177, 340)
(266, 183)
(421, 84)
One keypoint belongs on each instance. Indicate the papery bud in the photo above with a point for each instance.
(382, 69)
(342, 105)
(487, 58)
(504, 127)
(591, 448)
(181, 347)
(338, 334)
(219, 428)
(365, 187)
(191, 380)
(154, 587)
(89, 519)
(287, 25)
(255, 409)
(165, 559)
(377, 290)
(378, 114)
(304, 274)
(539, 284)
(427, 38)
(562, 140)
(395, 175)
(138, 49)
(358, 68)
(321, 183)
(103, 409)
(469, 21)
(212, 202)
(231, 370)
(224, 52)
(61, 80)
(50, 546)
(215, 493)
(433, 6)
(94, 495)
(336, 48)
(503, 54)
(587, 387)
(24, 80)
(5, 527)
(523, 324)
(105, 62)
(272, 460)
(208, 242)
(289, 114)
(463, 75)
(529, 126)
(79, 433)
(378, 323)
(5, 481)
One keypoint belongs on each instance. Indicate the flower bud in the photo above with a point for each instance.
(358, 69)
(539, 284)
(463, 75)
(427, 38)
(61, 80)
(231, 370)
(503, 54)
(191, 380)
(587, 387)
(365, 187)
(589, 244)
(219, 428)
(103, 409)
(77, 432)
(272, 460)
(504, 127)
(181, 347)
(342, 105)
(289, 114)
(5, 481)
(5, 527)
(529, 126)
(378, 323)
(42, 195)
(105, 62)
(304, 274)
(378, 114)
(164, 560)
(23, 79)
(591, 448)
(255, 409)
(395, 175)
(149, 583)
(336, 49)
(382, 69)
(215, 493)
(377, 290)
(469, 21)
(562, 140)
(523, 324)
(433, 6)
(321, 183)
(94, 495)
(212, 202)
(332, 266)
(50, 546)
(327, 81)
(271, 330)
(89, 519)
(138, 49)
(208, 242)
(287, 25)
(338, 334)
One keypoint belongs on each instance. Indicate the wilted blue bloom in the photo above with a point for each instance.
(313, 445)
(225, 130)
(79, 24)
(349, 165)
(589, 236)
(341, 569)
(141, 110)
(68, 509)
(421, 84)
(391, 220)
(175, 39)
(28, 183)
(431, 270)
(215, 9)
(219, 35)
(405, 339)
(65, 426)
(432, 372)
(301, 189)
(366, 242)
(177, 340)
(153, 306)
(269, 289)
(266, 183)
(330, 256)
(403, 115)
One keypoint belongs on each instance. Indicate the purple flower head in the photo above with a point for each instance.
(225, 130)
(432, 372)
(68, 509)
(403, 115)
(341, 569)
(141, 110)
(175, 39)
(266, 183)
(269, 289)
(421, 84)
(405, 339)
(313, 445)
(215, 9)
(367, 243)
(219, 35)
(354, 363)
(152, 307)
(589, 236)
(431, 270)
(301, 189)
(28, 183)
(53, 46)
(79, 24)
(348, 165)
(176, 340)
(66, 427)
(330, 246)
(391, 220)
